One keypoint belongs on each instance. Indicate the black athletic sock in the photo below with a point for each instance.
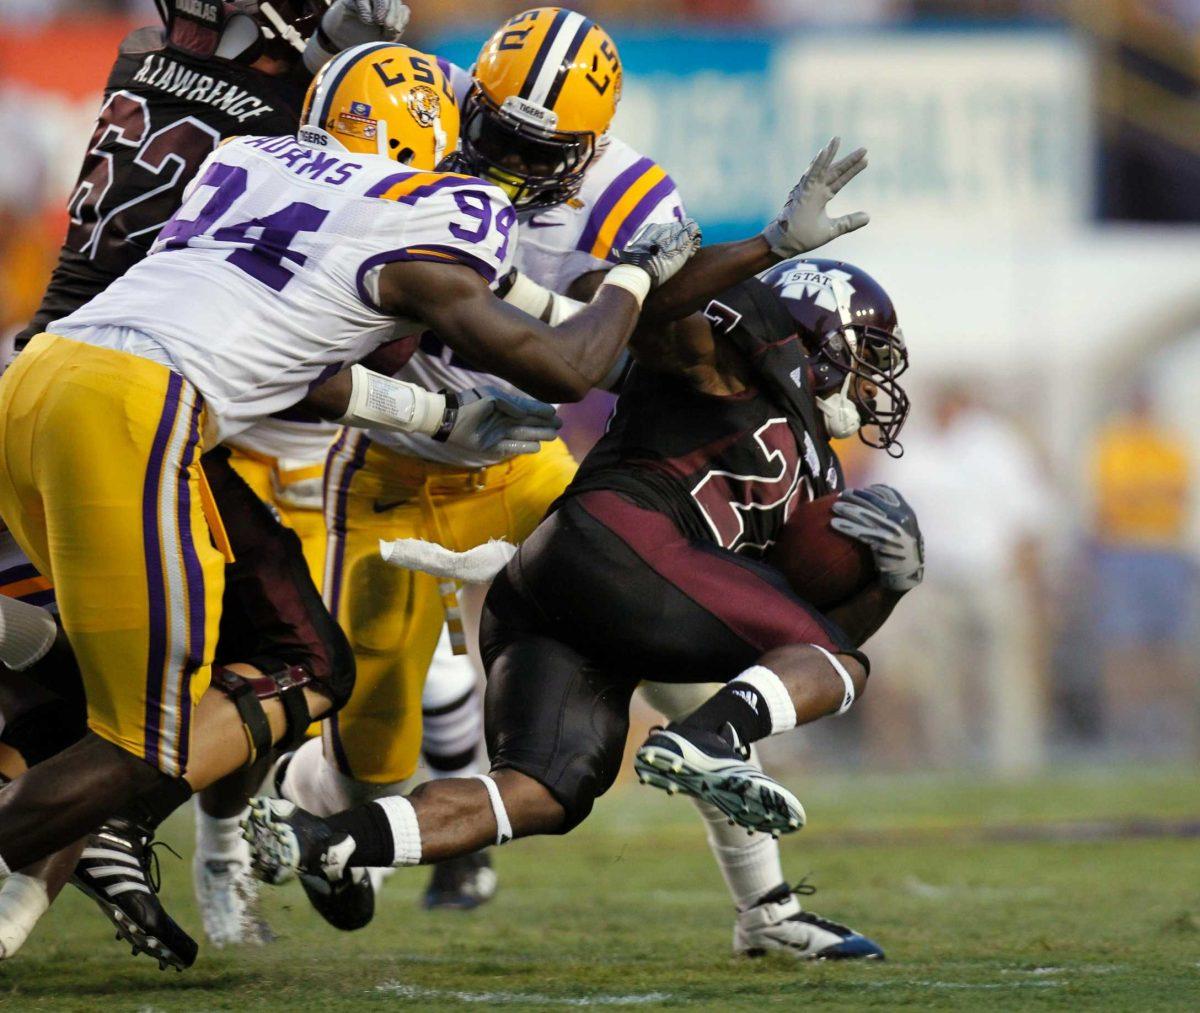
(153, 806)
(737, 709)
(372, 834)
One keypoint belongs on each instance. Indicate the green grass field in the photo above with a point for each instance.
(1017, 896)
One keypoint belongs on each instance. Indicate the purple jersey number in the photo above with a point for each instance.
(263, 258)
(477, 206)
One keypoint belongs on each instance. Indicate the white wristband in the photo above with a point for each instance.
(632, 279)
(549, 307)
(848, 694)
(378, 401)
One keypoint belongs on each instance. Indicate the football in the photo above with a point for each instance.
(823, 566)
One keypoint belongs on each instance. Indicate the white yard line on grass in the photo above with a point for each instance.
(404, 991)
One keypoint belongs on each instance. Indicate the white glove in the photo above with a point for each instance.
(390, 14)
(487, 419)
(662, 249)
(351, 23)
(803, 225)
(881, 519)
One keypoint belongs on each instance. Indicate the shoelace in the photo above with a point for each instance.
(150, 861)
(804, 888)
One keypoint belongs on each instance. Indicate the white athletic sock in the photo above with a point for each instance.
(4, 869)
(26, 633)
(452, 715)
(750, 863)
(406, 833)
(219, 837)
(315, 784)
(770, 687)
(23, 900)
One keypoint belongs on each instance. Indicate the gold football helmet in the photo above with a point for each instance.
(546, 87)
(386, 99)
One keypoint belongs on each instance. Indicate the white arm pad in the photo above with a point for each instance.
(549, 307)
(378, 401)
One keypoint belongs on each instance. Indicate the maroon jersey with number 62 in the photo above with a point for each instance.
(164, 111)
(729, 470)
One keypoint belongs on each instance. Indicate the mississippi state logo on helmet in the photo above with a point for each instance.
(546, 87)
(383, 98)
(855, 346)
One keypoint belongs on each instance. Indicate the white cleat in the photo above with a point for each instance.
(227, 895)
(777, 924)
(704, 765)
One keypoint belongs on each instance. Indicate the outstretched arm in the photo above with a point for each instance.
(801, 226)
(557, 363)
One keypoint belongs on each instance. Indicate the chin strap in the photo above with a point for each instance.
(841, 413)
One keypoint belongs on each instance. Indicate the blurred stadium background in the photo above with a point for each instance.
(1035, 195)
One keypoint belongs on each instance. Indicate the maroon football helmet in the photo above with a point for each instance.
(849, 328)
(285, 25)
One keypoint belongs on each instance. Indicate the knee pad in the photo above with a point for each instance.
(285, 683)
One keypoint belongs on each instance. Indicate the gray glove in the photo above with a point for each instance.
(662, 249)
(803, 225)
(880, 518)
(351, 23)
(487, 419)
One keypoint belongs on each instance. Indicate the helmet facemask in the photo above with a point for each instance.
(855, 357)
(536, 166)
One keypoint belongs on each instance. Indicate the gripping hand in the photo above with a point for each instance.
(487, 419)
(803, 224)
(351, 23)
(880, 518)
(662, 249)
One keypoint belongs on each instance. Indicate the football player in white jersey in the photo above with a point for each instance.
(307, 253)
(536, 113)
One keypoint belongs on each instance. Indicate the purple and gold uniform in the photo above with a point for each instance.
(401, 485)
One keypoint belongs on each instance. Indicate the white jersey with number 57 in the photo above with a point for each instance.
(266, 279)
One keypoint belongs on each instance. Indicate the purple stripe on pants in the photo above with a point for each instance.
(333, 592)
(195, 587)
(155, 584)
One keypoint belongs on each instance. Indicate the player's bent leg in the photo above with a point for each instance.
(556, 726)
(440, 820)
(705, 754)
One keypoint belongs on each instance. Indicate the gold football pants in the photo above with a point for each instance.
(392, 616)
(101, 485)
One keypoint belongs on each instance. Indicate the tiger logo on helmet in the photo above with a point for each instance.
(545, 90)
(383, 98)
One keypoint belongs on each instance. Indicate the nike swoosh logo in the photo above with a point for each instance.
(533, 223)
(382, 507)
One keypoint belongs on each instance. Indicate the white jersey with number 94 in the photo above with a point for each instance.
(266, 279)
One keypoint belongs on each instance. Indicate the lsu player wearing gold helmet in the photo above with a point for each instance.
(290, 258)
(537, 110)
(535, 124)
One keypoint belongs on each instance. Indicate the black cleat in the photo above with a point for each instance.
(119, 871)
(285, 840)
(348, 903)
(706, 765)
(461, 884)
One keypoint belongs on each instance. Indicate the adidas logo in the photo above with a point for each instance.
(749, 696)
